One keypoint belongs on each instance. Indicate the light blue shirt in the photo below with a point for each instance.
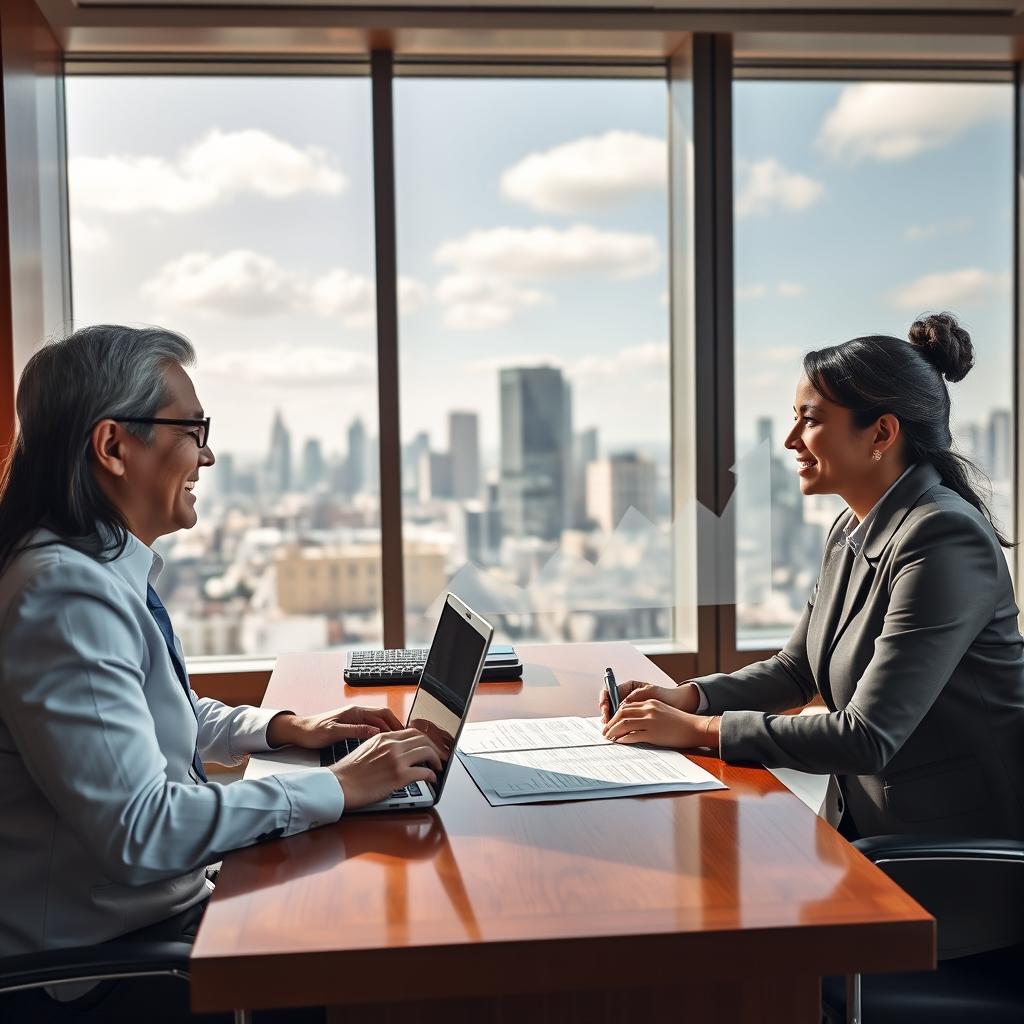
(103, 828)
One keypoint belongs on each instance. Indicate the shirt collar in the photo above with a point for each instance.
(854, 535)
(139, 564)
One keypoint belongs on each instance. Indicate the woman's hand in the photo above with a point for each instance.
(653, 721)
(684, 698)
(385, 763)
(315, 731)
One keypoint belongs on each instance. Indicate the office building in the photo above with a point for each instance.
(536, 450)
(617, 484)
(312, 464)
(1000, 450)
(584, 451)
(356, 464)
(435, 476)
(278, 466)
(337, 578)
(412, 452)
(464, 452)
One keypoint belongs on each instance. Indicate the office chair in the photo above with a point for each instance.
(974, 888)
(98, 963)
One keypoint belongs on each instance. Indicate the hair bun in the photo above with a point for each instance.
(944, 343)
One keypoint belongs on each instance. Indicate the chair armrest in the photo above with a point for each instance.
(879, 848)
(93, 963)
(973, 887)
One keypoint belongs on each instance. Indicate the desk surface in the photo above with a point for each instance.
(543, 898)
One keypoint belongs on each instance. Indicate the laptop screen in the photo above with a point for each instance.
(447, 683)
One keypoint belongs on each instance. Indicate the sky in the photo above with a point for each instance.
(532, 228)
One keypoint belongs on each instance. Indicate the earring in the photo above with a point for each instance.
(876, 455)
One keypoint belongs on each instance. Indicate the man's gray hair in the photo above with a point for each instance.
(67, 387)
(100, 371)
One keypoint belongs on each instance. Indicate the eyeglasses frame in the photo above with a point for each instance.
(204, 423)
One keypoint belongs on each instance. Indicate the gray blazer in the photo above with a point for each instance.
(103, 827)
(914, 647)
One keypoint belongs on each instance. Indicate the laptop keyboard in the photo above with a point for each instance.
(336, 751)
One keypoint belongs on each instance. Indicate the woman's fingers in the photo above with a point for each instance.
(643, 691)
(624, 727)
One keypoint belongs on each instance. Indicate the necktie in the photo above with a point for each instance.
(163, 620)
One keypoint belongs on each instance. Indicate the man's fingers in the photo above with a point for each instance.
(389, 717)
(424, 752)
(420, 773)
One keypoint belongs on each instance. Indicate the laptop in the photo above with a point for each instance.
(439, 708)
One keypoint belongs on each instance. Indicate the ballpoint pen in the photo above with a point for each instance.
(613, 691)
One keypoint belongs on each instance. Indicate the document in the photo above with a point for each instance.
(532, 760)
(531, 734)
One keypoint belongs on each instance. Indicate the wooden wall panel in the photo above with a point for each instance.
(34, 280)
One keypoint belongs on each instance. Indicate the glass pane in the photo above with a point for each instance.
(535, 354)
(238, 211)
(858, 208)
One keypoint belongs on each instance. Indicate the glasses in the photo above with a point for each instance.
(202, 435)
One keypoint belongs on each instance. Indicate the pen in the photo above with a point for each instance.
(613, 690)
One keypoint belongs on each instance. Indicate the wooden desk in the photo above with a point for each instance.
(729, 905)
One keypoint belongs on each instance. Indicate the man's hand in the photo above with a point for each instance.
(684, 697)
(315, 731)
(385, 763)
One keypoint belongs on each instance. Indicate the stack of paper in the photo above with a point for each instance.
(529, 760)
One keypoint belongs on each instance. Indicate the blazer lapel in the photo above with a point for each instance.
(829, 599)
(848, 598)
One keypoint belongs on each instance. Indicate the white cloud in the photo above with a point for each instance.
(237, 283)
(340, 293)
(646, 358)
(218, 166)
(590, 173)
(243, 283)
(652, 355)
(299, 367)
(898, 120)
(766, 185)
(949, 289)
(784, 289)
(545, 252)
(88, 237)
(478, 302)
(919, 232)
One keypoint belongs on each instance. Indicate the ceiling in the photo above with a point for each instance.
(879, 31)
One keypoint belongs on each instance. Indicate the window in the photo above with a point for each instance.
(534, 353)
(238, 211)
(858, 207)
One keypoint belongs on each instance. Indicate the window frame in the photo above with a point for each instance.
(709, 355)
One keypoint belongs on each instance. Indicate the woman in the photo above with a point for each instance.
(108, 822)
(910, 637)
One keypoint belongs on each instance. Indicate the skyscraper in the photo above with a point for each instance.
(536, 432)
(618, 483)
(279, 457)
(312, 464)
(584, 451)
(1000, 461)
(356, 464)
(464, 451)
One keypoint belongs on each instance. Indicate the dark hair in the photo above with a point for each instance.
(66, 388)
(877, 374)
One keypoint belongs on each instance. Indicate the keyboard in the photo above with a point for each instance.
(405, 665)
(336, 751)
